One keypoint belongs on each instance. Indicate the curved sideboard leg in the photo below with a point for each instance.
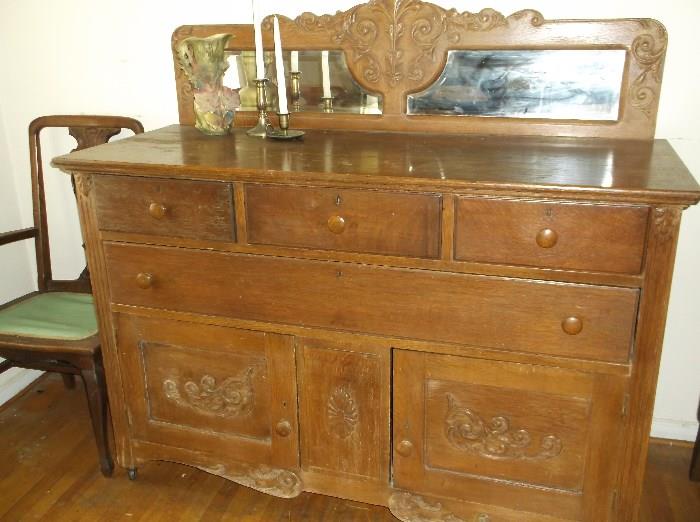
(413, 508)
(277, 482)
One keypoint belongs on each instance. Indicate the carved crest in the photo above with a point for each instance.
(233, 397)
(467, 431)
(403, 41)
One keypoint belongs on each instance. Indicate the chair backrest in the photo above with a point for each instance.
(87, 131)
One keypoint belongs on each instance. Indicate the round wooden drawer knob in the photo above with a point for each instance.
(547, 238)
(283, 428)
(157, 210)
(404, 448)
(336, 224)
(572, 325)
(144, 280)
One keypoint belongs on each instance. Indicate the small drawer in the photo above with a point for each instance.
(577, 236)
(349, 220)
(175, 208)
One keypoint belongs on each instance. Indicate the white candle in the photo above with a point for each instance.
(295, 61)
(325, 74)
(259, 58)
(279, 65)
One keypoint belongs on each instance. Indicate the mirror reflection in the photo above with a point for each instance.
(309, 68)
(554, 84)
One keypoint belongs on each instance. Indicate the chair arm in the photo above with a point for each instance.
(17, 235)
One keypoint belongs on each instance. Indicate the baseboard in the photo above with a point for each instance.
(674, 429)
(14, 381)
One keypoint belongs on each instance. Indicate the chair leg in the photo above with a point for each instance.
(68, 380)
(96, 390)
(695, 461)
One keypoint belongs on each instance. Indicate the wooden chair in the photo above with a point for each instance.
(55, 328)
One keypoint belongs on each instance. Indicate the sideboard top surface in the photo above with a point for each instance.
(646, 171)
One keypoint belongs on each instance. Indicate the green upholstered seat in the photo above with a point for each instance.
(54, 315)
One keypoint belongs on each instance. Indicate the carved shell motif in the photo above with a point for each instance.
(467, 431)
(342, 411)
(233, 397)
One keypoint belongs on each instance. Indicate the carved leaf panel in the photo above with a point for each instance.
(504, 433)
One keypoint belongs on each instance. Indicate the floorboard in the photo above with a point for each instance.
(49, 471)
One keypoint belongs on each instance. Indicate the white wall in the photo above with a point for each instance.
(95, 56)
(14, 260)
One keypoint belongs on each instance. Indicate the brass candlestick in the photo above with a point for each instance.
(297, 100)
(261, 128)
(327, 104)
(284, 132)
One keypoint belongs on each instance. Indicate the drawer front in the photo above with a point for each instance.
(522, 436)
(575, 236)
(557, 318)
(211, 389)
(349, 220)
(189, 209)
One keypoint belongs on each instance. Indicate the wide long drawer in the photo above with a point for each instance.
(533, 316)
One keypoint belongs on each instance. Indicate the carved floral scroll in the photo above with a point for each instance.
(466, 430)
(232, 397)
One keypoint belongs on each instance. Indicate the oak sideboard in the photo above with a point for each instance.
(459, 325)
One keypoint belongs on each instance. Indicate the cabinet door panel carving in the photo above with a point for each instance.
(514, 435)
(344, 407)
(500, 432)
(220, 391)
(183, 388)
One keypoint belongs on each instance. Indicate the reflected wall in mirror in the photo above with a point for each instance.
(348, 96)
(549, 84)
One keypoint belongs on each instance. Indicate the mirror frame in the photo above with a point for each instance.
(399, 47)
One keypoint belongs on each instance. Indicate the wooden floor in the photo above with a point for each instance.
(48, 471)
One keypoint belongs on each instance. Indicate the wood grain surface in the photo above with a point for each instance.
(557, 167)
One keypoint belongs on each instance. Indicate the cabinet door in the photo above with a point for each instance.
(344, 402)
(533, 438)
(224, 393)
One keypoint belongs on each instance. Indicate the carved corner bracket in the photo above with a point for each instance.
(648, 51)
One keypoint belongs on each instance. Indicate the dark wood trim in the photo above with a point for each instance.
(17, 235)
